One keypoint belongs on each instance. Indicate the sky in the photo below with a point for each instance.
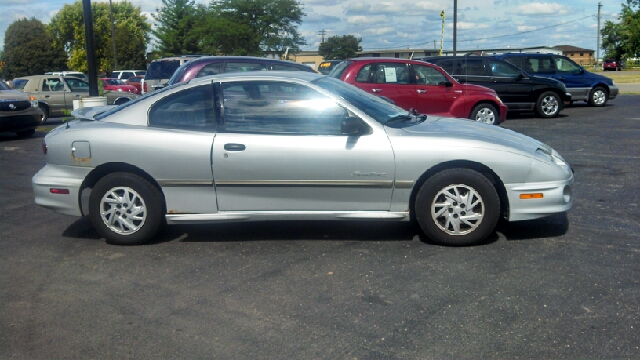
(411, 24)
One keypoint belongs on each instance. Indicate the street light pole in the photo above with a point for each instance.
(113, 38)
(91, 48)
(455, 24)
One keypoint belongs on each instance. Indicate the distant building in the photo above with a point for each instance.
(579, 55)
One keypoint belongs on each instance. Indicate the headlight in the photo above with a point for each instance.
(551, 154)
(34, 103)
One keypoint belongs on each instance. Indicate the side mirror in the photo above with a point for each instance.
(581, 70)
(351, 126)
(521, 76)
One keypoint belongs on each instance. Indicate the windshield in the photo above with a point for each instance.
(19, 84)
(162, 69)
(4, 86)
(339, 69)
(379, 109)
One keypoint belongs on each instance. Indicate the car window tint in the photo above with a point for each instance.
(540, 65)
(19, 83)
(190, 109)
(77, 85)
(428, 75)
(385, 73)
(210, 69)
(52, 84)
(566, 66)
(501, 69)
(448, 66)
(474, 67)
(518, 61)
(282, 67)
(244, 66)
(279, 108)
(339, 69)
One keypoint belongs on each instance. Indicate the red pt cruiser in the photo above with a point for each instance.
(423, 87)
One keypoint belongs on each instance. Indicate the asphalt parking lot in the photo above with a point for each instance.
(566, 286)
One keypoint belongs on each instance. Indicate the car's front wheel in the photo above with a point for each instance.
(548, 105)
(457, 207)
(598, 96)
(125, 209)
(45, 113)
(485, 113)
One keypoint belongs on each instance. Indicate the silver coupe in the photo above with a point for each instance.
(292, 146)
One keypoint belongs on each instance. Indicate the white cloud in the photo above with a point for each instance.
(359, 20)
(462, 25)
(526, 28)
(381, 31)
(541, 9)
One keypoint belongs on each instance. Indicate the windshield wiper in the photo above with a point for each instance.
(412, 116)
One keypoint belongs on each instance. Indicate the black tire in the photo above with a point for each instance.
(475, 228)
(26, 133)
(147, 204)
(485, 113)
(598, 96)
(548, 105)
(45, 112)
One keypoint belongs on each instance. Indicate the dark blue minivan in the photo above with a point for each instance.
(583, 85)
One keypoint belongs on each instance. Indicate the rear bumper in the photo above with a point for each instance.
(59, 177)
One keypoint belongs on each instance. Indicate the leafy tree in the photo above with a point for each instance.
(622, 40)
(28, 50)
(263, 25)
(131, 28)
(177, 27)
(340, 47)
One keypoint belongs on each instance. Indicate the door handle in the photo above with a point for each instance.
(78, 95)
(376, 90)
(47, 96)
(234, 147)
(421, 91)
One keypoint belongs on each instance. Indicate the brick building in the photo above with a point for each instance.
(579, 55)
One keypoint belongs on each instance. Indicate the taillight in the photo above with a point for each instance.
(44, 146)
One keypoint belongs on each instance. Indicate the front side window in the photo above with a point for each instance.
(244, 66)
(190, 109)
(52, 84)
(428, 76)
(566, 66)
(384, 73)
(501, 69)
(518, 61)
(267, 107)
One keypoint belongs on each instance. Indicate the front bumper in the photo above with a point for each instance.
(613, 92)
(20, 120)
(557, 198)
(59, 177)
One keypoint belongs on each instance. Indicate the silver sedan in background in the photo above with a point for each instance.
(288, 146)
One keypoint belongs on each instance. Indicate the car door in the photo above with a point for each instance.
(279, 147)
(390, 80)
(52, 91)
(75, 89)
(432, 93)
(570, 73)
(512, 87)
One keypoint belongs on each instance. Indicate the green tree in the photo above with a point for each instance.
(262, 25)
(622, 40)
(131, 28)
(340, 47)
(176, 31)
(28, 50)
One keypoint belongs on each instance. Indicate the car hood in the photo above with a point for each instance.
(469, 130)
(13, 95)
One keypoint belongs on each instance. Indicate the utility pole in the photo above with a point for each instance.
(322, 33)
(598, 37)
(455, 24)
(113, 38)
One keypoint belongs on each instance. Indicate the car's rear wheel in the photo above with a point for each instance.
(125, 209)
(598, 96)
(457, 207)
(485, 113)
(45, 113)
(548, 105)
(26, 133)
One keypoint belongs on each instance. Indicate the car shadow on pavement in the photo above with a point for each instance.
(551, 226)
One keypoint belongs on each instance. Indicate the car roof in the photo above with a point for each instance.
(253, 75)
(391, 59)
